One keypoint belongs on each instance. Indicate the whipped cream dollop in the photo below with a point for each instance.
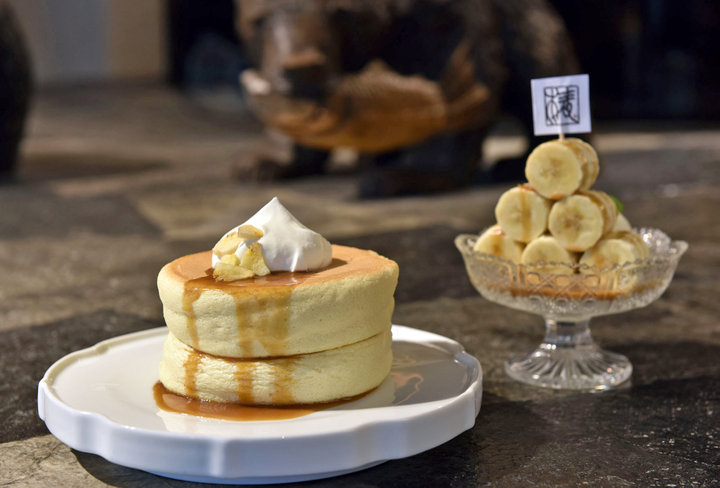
(287, 245)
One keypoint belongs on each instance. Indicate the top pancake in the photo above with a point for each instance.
(281, 314)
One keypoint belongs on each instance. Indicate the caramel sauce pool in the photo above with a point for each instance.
(172, 402)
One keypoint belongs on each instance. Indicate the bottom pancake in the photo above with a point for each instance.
(303, 379)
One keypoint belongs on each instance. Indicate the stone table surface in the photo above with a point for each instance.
(115, 181)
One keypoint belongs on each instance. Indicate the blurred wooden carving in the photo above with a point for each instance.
(414, 85)
(373, 111)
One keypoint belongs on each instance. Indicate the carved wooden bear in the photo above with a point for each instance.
(412, 85)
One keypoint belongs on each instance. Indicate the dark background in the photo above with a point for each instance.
(652, 59)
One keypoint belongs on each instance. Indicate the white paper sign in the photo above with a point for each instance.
(561, 105)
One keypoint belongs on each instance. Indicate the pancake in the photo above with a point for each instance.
(283, 314)
(319, 377)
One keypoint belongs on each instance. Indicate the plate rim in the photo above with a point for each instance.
(93, 432)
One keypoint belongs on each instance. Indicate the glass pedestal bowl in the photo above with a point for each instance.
(568, 358)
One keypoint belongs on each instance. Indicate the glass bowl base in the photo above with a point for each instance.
(572, 368)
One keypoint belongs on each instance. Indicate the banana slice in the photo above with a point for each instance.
(621, 223)
(608, 253)
(229, 243)
(576, 222)
(522, 213)
(546, 250)
(615, 249)
(606, 205)
(588, 158)
(593, 169)
(641, 248)
(230, 269)
(554, 169)
(494, 241)
(254, 260)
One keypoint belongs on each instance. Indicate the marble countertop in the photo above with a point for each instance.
(116, 181)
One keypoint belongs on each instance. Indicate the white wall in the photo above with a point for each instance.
(91, 40)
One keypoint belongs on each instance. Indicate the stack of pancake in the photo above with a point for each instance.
(287, 338)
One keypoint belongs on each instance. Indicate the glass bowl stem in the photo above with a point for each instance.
(568, 358)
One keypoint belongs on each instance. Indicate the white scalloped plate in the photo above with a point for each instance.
(100, 400)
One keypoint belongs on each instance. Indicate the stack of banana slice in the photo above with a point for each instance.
(556, 220)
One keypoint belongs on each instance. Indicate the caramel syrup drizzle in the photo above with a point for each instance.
(261, 320)
(191, 366)
(190, 296)
(245, 378)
